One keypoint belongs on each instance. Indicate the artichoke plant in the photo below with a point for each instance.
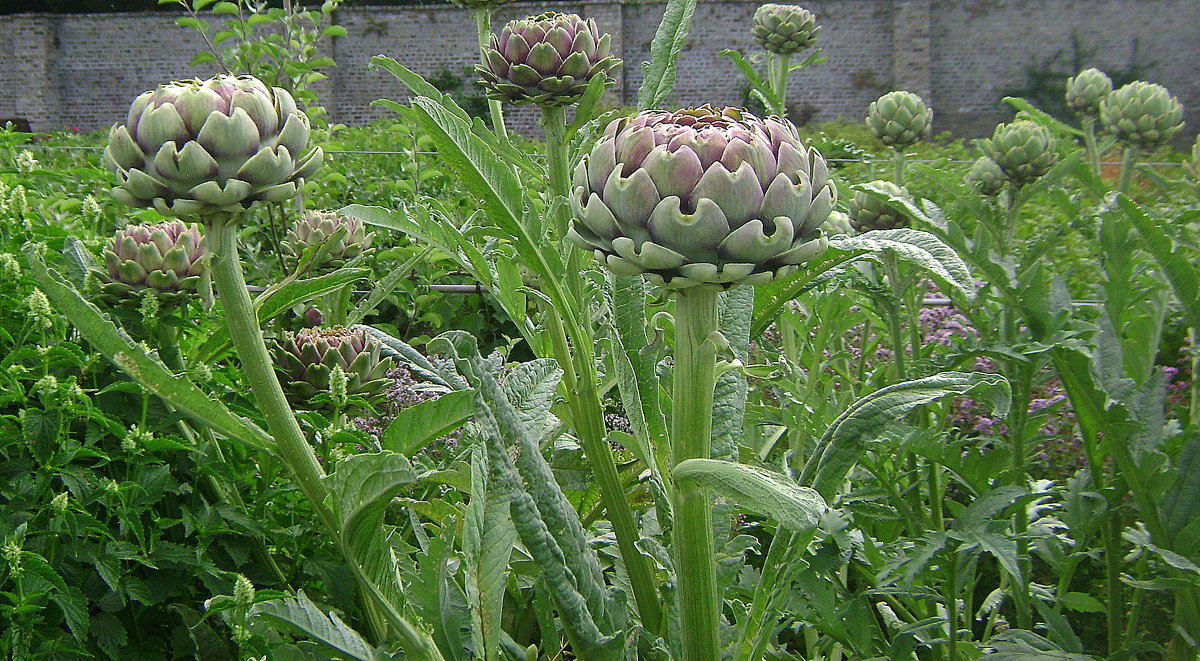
(211, 148)
(317, 226)
(703, 196)
(547, 60)
(1086, 90)
(305, 360)
(785, 29)
(1023, 150)
(167, 259)
(870, 212)
(1142, 114)
(986, 176)
(900, 119)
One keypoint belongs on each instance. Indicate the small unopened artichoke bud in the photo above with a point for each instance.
(317, 226)
(547, 60)
(1086, 90)
(313, 317)
(785, 29)
(900, 119)
(707, 196)
(870, 212)
(1141, 114)
(1024, 150)
(211, 148)
(838, 223)
(243, 591)
(986, 176)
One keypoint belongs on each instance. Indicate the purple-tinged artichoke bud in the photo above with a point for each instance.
(870, 212)
(1142, 114)
(167, 259)
(313, 317)
(316, 226)
(305, 362)
(1024, 150)
(1086, 90)
(986, 176)
(547, 60)
(785, 29)
(704, 196)
(211, 149)
(900, 119)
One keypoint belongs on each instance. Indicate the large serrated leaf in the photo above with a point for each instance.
(757, 489)
(921, 249)
(1180, 268)
(668, 41)
(299, 615)
(150, 373)
(846, 439)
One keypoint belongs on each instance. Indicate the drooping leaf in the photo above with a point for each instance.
(299, 615)
(414, 427)
(757, 489)
(921, 249)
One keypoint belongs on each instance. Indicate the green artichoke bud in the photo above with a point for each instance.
(316, 226)
(306, 360)
(900, 119)
(785, 29)
(870, 212)
(1142, 114)
(1024, 150)
(547, 60)
(1086, 90)
(986, 176)
(167, 259)
(704, 196)
(838, 223)
(211, 148)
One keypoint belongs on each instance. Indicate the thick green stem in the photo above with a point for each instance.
(1194, 403)
(1128, 165)
(483, 24)
(781, 67)
(891, 269)
(691, 437)
(899, 165)
(554, 123)
(1089, 144)
(1018, 419)
(167, 337)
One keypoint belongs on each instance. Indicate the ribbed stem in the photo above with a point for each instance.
(781, 64)
(1089, 144)
(691, 437)
(898, 165)
(554, 124)
(483, 24)
(1128, 164)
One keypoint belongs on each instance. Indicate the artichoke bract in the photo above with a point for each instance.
(986, 176)
(900, 119)
(317, 226)
(1142, 114)
(547, 60)
(305, 360)
(167, 260)
(785, 29)
(1023, 150)
(211, 148)
(1086, 90)
(870, 212)
(703, 196)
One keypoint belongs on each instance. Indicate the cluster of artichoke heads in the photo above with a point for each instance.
(547, 60)
(316, 227)
(705, 196)
(900, 119)
(1139, 114)
(1023, 150)
(785, 29)
(211, 149)
(166, 260)
(305, 361)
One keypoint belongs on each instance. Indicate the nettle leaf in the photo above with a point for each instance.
(301, 616)
(415, 426)
(846, 439)
(659, 73)
(757, 489)
(921, 249)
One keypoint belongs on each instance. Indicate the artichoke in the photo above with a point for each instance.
(1086, 90)
(211, 148)
(547, 60)
(167, 260)
(900, 119)
(304, 361)
(703, 196)
(1142, 114)
(785, 29)
(1024, 150)
(986, 176)
(870, 212)
(316, 226)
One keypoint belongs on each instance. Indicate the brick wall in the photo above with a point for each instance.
(83, 70)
